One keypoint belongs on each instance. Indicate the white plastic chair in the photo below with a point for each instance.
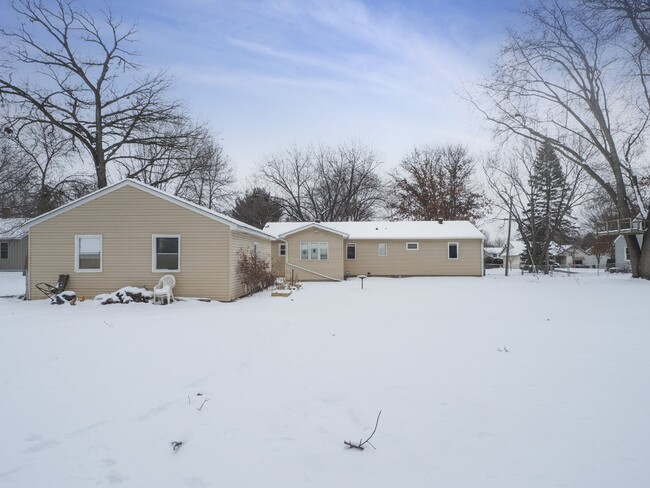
(164, 289)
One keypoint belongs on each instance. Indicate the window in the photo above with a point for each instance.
(166, 253)
(412, 246)
(87, 254)
(627, 254)
(283, 250)
(4, 250)
(383, 249)
(314, 251)
(351, 251)
(452, 250)
(255, 248)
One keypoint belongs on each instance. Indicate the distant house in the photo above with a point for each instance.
(13, 245)
(517, 248)
(576, 256)
(621, 252)
(333, 250)
(130, 233)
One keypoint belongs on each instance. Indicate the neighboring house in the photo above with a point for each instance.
(130, 233)
(492, 252)
(517, 248)
(576, 256)
(13, 245)
(333, 250)
(621, 252)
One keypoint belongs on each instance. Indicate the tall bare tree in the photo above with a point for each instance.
(567, 80)
(325, 183)
(82, 79)
(437, 182)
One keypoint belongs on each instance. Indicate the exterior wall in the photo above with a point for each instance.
(430, 260)
(244, 242)
(332, 267)
(127, 218)
(17, 260)
(620, 247)
(278, 262)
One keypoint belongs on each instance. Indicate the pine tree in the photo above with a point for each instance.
(548, 216)
(257, 207)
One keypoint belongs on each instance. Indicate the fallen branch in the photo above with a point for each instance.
(359, 446)
(176, 445)
(204, 402)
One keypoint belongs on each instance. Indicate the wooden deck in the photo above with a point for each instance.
(622, 227)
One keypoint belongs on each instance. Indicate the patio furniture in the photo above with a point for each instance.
(51, 290)
(164, 289)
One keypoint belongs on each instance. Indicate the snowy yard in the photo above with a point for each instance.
(95, 395)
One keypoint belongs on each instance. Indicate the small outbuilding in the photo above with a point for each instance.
(333, 250)
(13, 244)
(130, 233)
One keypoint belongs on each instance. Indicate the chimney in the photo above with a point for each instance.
(440, 221)
(6, 212)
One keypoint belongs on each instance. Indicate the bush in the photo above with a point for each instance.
(255, 272)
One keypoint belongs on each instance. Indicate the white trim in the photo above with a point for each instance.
(233, 224)
(449, 244)
(417, 246)
(353, 244)
(76, 253)
(309, 248)
(280, 249)
(385, 244)
(316, 225)
(153, 253)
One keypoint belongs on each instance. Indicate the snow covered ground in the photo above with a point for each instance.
(94, 395)
(11, 284)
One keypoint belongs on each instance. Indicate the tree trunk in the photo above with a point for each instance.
(635, 254)
(644, 258)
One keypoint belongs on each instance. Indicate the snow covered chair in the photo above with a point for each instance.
(164, 289)
(50, 291)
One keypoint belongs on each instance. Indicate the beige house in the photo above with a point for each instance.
(334, 250)
(132, 234)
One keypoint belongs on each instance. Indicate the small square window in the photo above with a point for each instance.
(283, 250)
(383, 249)
(166, 253)
(412, 246)
(88, 253)
(4, 250)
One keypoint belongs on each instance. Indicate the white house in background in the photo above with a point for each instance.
(517, 248)
(13, 245)
(576, 256)
(492, 252)
(621, 252)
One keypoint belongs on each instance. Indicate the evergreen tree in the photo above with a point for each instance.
(548, 215)
(257, 207)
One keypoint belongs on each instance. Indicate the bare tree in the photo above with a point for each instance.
(332, 184)
(82, 80)
(437, 182)
(566, 81)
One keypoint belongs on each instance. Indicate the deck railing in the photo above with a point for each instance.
(622, 226)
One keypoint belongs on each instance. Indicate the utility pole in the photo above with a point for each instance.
(508, 243)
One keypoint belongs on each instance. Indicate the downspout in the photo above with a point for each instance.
(287, 263)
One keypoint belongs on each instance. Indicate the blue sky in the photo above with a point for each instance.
(267, 75)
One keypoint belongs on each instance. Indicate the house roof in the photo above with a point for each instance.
(516, 248)
(450, 229)
(12, 228)
(219, 217)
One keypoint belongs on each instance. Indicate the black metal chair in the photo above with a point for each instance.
(50, 291)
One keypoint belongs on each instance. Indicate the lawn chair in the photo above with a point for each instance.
(50, 291)
(164, 289)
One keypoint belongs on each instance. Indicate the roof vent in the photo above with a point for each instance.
(440, 221)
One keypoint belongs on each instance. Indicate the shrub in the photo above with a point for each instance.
(254, 272)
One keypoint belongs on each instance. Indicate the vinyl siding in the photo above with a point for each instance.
(278, 262)
(17, 258)
(238, 242)
(127, 218)
(332, 267)
(430, 260)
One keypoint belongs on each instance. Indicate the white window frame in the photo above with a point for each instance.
(449, 244)
(416, 248)
(7, 246)
(153, 253)
(309, 249)
(282, 249)
(379, 246)
(354, 245)
(76, 253)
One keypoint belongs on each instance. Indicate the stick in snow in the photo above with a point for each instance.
(361, 443)
(176, 445)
